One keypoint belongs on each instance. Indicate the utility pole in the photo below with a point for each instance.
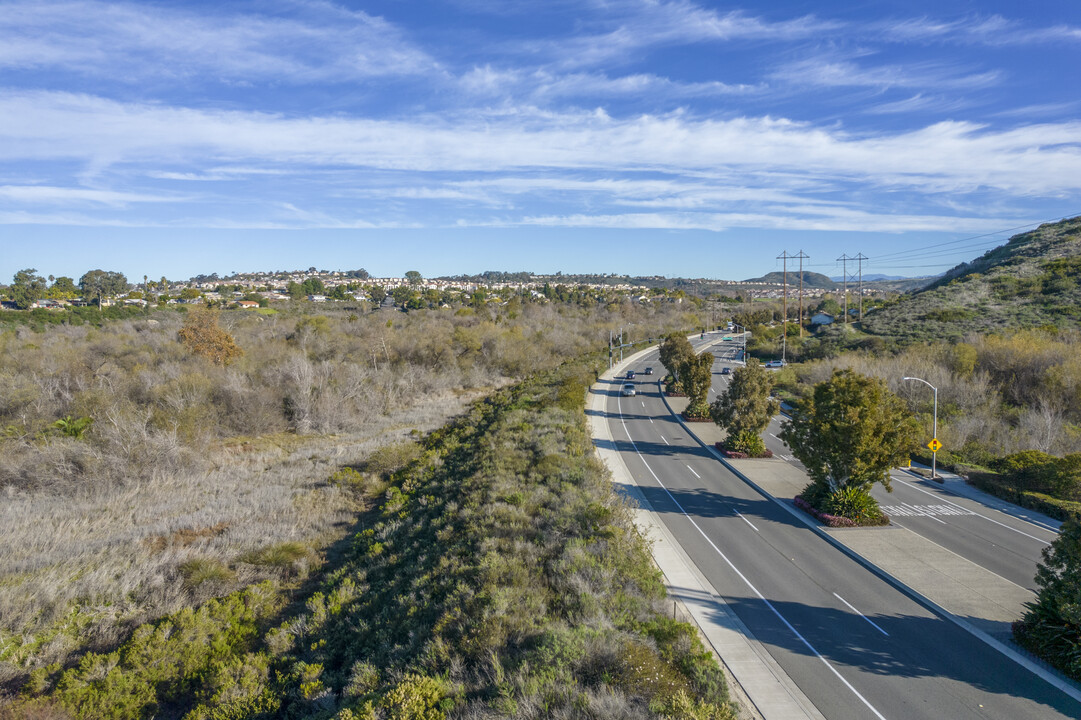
(801, 257)
(844, 264)
(860, 258)
(783, 257)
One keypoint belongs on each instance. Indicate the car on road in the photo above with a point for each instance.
(726, 338)
(775, 364)
(726, 371)
(630, 374)
(649, 371)
(628, 390)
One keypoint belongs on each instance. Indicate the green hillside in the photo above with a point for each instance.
(810, 279)
(1030, 281)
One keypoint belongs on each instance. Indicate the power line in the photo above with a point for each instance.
(978, 237)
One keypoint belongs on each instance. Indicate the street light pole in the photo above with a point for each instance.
(743, 328)
(934, 430)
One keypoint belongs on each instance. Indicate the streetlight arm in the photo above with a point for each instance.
(922, 381)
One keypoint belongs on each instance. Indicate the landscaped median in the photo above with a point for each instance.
(984, 600)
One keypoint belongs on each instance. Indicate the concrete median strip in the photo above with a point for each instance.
(760, 685)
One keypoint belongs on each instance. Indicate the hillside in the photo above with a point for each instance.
(810, 279)
(1030, 281)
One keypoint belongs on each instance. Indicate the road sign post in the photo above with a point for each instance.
(934, 445)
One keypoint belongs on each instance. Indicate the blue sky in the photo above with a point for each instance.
(638, 136)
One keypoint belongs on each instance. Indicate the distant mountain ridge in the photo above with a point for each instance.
(1033, 280)
(871, 277)
(810, 279)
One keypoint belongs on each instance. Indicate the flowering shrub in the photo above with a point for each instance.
(830, 520)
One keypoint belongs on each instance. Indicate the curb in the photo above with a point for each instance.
(1036, 667)
(746, 706)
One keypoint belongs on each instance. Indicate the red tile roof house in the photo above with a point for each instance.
(247, 304)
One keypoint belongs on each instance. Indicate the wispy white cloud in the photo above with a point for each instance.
(829, 71)
(133, 41)
(716, 222)
(624, 27)
(543, 86)
(44, 194)
(984, 30)
(918, 103)
(954, 156)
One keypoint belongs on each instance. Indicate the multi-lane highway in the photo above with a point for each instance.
(1007, 546)
(856, 646)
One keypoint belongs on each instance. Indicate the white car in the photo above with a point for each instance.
(628, 390)
(775, 364)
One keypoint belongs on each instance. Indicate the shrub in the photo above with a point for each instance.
(202, 336)
(418, 697)
(1050, 627)
(294, 557)
(201, 571)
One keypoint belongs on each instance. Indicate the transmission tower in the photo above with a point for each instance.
(844, 264)
(801, 257)
(860, 258)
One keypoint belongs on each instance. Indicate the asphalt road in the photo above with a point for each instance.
(1007, 546)
(856, 646)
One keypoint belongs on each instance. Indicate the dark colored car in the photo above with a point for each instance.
(726, 371)
(649, 371)
(630, 374)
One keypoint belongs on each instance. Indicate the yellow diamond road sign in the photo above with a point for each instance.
(935, 445)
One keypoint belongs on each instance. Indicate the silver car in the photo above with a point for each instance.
(628, 390)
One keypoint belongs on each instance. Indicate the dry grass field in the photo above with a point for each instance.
(193, 479)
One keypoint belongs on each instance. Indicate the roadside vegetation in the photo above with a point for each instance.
(142, 476)
(1052, 626)
(744, 411)
(491, 571)
(849, 432)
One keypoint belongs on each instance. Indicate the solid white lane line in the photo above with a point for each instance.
(876, 627)
(743, 577)
(693, 472)
(662, 438)
(746, 520)
(651, 421)
(996, 522)
(643, 403)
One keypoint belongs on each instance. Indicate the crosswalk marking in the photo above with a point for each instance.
(923, 510)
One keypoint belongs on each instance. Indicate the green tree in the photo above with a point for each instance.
(63, 288)
(402, 295)
(746, 408)
(96, 284)
(313, 286)
(1052, 626)
(696, 374)
(414, 278)
(849, 433)
(190, 293)
(674, 351)
(27, 287)
(377, 294)
(295, 290)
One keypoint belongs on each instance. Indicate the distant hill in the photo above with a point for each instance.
(810, 279)
(871, 277)
(902, 285)
(1032, 280)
